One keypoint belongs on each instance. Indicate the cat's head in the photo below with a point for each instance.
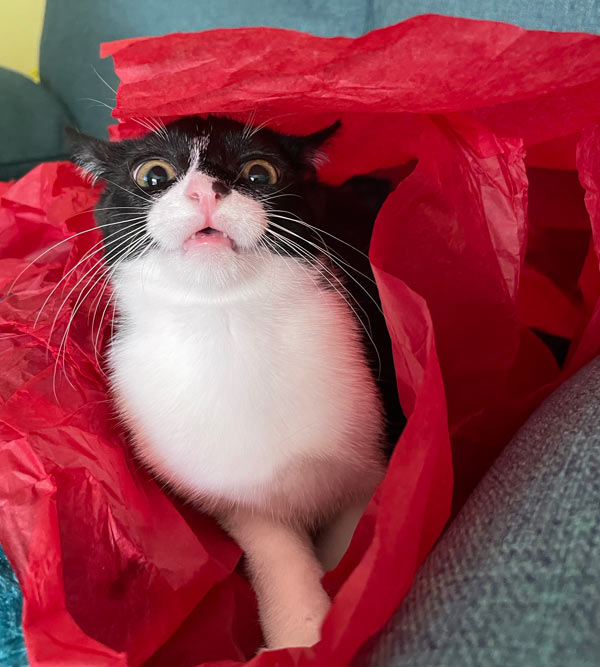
(210, 195)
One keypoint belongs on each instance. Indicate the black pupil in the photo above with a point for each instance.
(156, 176)
(259, 174)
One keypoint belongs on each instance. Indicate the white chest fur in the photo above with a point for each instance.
(227, 396)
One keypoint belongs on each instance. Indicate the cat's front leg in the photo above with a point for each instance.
(285, 574)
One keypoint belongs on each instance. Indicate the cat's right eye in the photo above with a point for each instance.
(154, 173)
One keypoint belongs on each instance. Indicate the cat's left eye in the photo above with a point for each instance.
(260, 172)
(154, 173)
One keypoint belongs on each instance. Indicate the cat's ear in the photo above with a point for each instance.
(313, 144)
(91, 154)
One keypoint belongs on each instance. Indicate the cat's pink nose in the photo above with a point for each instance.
(204, 188)
(206, 192)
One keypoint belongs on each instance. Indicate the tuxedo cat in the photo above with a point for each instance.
(249, 342)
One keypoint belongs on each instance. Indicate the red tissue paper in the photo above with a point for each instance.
(488, 246)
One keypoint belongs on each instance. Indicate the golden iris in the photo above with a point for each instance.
(260, 172)
(153, 173)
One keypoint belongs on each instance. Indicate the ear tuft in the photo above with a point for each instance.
(89, 153)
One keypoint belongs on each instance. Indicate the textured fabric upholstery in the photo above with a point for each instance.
(515, 580)
(12, 647)
(570, 15)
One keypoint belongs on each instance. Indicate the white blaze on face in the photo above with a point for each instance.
(199, 148)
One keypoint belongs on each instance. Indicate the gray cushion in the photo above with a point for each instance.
(32, 123)
(515, 579)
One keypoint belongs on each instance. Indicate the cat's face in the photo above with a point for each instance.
(209, 196)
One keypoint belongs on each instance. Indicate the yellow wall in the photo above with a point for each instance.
(20, 32)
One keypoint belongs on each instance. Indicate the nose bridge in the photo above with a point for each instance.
(200, 186)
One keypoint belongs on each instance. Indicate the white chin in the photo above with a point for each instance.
(212, 269)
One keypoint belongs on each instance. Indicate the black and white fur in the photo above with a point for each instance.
(242, 369)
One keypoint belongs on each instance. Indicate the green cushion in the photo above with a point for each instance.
(32, 122)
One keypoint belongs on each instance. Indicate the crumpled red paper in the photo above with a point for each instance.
(493, 237)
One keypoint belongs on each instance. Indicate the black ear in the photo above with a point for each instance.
(91, 154)
(312, 144)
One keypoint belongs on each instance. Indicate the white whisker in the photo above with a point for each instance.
(122, 240)
(336, 262)
(322, 231)
(248, 127)
(154, 126)
(80, 299)
(259, 127)
(109, 275)
(91, 99)
(103, 272)
(146, 198)
(97, 247)
(324, 271)
(55, 245)
(104, 81)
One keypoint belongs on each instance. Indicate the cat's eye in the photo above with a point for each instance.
(260, 172)
(154, 173)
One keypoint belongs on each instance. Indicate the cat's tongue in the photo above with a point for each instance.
(208, 237)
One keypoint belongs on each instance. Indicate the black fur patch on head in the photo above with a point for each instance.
(220, 146)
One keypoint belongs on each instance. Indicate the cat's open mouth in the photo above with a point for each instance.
(209, 237)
